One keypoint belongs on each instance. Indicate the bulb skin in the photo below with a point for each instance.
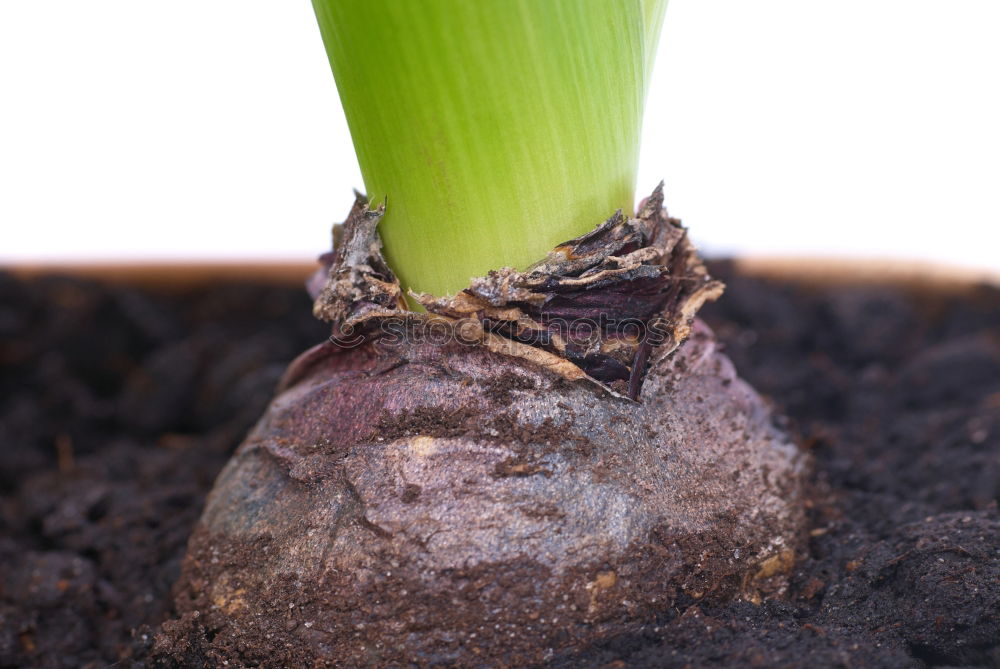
(421, 501)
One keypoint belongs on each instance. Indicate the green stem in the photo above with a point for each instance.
(495, 129)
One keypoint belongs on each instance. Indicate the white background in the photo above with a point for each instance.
(133, 129)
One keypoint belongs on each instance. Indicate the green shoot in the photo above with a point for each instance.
(494, 129)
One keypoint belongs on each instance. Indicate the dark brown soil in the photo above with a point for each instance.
(119, 407)
(117, 411)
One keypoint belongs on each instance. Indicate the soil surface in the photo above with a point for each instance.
(119, 406)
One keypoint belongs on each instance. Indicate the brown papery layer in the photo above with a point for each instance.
(601, 307)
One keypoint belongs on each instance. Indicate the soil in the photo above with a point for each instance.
(119, 406)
